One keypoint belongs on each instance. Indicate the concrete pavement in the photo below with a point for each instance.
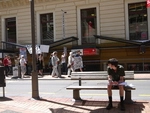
(143, 76)
(66, 105)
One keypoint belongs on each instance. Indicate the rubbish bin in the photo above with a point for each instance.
(2, 77)
(16, 72)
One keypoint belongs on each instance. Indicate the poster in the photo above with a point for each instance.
(78, 63)
(23, 51)
(44, 48)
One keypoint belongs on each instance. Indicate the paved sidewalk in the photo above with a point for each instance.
(66, 105)
(47, 77)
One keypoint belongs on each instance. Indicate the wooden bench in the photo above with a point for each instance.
(98, 75)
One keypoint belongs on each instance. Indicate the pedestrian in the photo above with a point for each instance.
(17, 61)
(17, 64)
(40, 64)
(9, 65)
(6, 63)
(55, 61)
(23, 65)
(115, 77)
(63, 63)
(50, 63)
(70, 64)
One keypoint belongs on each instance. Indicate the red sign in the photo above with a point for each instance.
(148, 3)
(90, 51)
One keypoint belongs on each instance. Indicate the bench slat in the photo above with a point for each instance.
(97, 75)
(94, 88)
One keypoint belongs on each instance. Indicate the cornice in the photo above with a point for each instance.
(5, 4)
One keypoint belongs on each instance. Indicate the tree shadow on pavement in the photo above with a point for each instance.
(5, 99)
(66, 107)
(90, 106)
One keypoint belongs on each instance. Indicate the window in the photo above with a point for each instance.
(135, 66)
(88, 25)
(138, 24)
(47, 29)
(10, 31)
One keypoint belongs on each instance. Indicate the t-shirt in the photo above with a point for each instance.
(116, 74)
(22, 62)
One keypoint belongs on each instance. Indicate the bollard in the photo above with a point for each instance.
(79, 81)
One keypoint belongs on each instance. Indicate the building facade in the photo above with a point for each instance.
(57, 19)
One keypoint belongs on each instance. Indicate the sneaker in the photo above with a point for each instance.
(109, 106)
(122, 108)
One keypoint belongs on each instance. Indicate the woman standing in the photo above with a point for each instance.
(40, 64)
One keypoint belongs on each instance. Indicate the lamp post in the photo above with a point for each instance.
(35, 91)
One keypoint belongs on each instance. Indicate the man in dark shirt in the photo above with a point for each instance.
(115, 77)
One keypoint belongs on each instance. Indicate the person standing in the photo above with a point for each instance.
(115, 77)
(70, 64)
(23, 66)
(55, 61)
(17, 64)
(6, 63)
(63, 63)
(9, 65)
(50, 63)
(40, 64)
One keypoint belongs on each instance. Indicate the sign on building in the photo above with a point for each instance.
(148, 3)
(78, 63)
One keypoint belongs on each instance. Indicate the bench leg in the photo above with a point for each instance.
(128, 97)
(76, 94)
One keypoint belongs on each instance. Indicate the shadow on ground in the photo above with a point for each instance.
(5, 99)
(89, 106)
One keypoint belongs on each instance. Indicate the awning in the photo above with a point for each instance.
(141, 44)
(63, 41)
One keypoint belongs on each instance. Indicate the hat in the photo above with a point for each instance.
(70, 53)
(22, 56)
(54, 52)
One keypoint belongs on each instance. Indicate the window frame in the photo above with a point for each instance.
(127, 17)
(3, 28)
(38, 24)
(79, 21)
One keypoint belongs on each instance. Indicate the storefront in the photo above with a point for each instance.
(55, 20)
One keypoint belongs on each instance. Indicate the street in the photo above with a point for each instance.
(57, 88)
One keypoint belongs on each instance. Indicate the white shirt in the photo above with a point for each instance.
(22, 61)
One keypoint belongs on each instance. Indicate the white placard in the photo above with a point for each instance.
(75, 50)
(44, 48)
(29, 48)
(78, 63)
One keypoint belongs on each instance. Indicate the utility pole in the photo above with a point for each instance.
(63, 28)
(63, 23)
(35, 91)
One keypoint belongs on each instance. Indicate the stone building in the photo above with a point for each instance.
(58, 19)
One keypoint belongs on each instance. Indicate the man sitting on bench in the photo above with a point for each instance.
(115, 77)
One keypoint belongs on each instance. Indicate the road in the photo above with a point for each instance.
(57, 88)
